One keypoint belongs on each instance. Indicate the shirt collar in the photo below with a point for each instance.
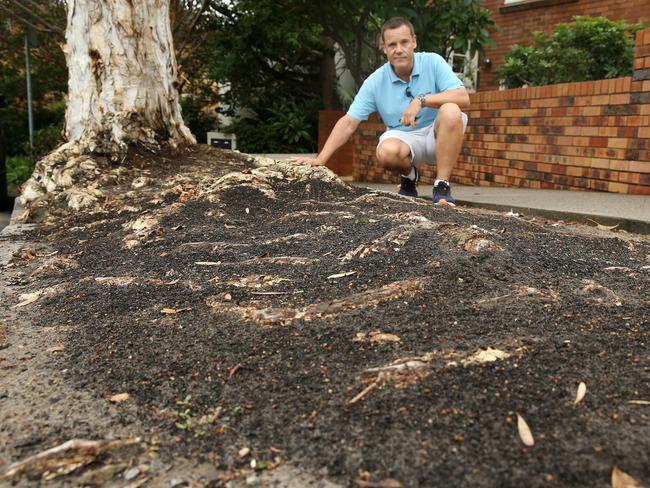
(415, 72)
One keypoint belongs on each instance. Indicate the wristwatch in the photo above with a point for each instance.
(422, 98)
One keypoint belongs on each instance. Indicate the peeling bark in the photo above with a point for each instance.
(122, 90)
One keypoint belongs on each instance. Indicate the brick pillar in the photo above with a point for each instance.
(642, 57)
(341, 161)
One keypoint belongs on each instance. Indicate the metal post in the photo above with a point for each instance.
(4, 191)
(30, 114)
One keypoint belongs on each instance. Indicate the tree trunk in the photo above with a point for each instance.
(122, 88)
(328, 74)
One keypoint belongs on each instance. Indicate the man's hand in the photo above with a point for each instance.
(309, 161)
(409, 115)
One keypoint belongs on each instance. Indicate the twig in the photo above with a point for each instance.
(366, 390)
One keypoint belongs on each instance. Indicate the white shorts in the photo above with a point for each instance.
(421, 142)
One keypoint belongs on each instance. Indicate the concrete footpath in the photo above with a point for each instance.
(629, 212)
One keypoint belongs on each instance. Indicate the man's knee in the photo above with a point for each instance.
(392, 151)
(449, 116)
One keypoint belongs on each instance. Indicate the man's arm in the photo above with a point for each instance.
(340, 134)
(459, 96)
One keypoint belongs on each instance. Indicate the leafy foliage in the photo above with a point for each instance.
(588, 48)
(288, 128)
(270, 55)
(19, 169)
(49, 85)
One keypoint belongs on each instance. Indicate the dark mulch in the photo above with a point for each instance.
(282, 387)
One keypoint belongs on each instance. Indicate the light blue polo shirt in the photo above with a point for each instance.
(385, 93)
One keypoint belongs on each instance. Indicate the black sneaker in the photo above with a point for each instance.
(442, 194)
(408, 187)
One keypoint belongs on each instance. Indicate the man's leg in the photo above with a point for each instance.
(448, 131)
(394, 155)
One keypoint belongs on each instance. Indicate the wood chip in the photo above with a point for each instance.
(63, 459)
(525, 434)
(623, 480)
(119, 398)
(341, 275)
(366, 390)
(172, 311)
(208, 263)
(582, 390)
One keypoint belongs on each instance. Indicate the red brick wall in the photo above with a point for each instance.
(517, 23)
(592, 135)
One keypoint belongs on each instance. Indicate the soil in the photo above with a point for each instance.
(278, 327)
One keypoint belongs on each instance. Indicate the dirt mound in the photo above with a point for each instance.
(261, 315)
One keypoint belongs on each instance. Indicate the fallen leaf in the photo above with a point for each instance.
(119, 398)
(171, 311)
(603, 227)
(485, 356)
(639, 402)
(233, 370)
(525, 434)
(582, 390)
(56, 349)
(623, 480)
(244, 452)
(341, 275)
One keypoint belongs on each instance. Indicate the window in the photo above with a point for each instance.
(466, 68)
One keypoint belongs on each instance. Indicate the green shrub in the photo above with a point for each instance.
(588, 48)
(19, 169)
(284, 127)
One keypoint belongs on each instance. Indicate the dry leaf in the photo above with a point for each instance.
(56, 349)
(623, 480)
(603, 227)
(525, 434)
(639, 402)
(244, 452)
(171, 311)
(485, 356)
(119, 398)
(341, 275)
(383, 337)
(582, 390)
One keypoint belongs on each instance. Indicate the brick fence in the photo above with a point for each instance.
(591, 135)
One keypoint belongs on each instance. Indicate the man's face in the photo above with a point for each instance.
(399, 46)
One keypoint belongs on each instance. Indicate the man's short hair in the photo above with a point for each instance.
(394, 23)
